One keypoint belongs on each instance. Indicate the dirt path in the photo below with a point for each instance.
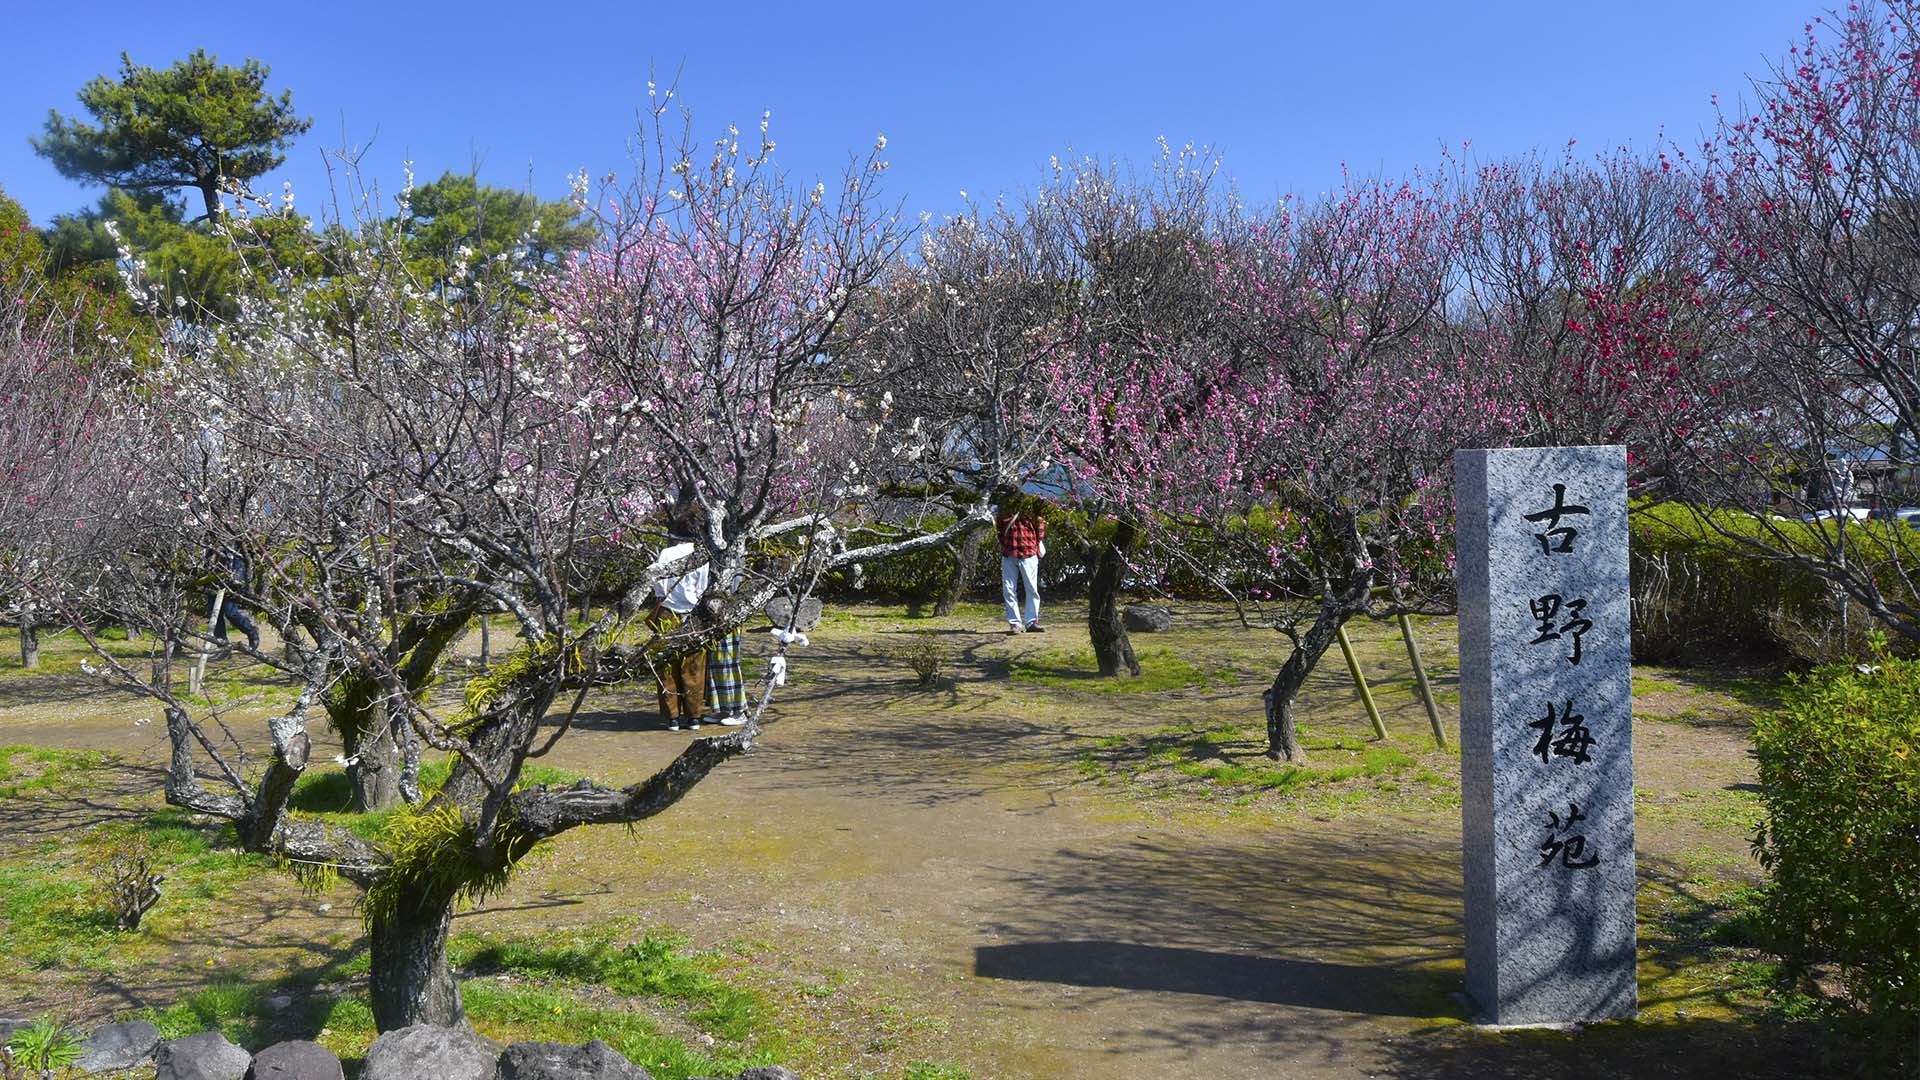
(1023, 913)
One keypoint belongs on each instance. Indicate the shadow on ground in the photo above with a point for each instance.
(1614, 1051)
(1378, 991)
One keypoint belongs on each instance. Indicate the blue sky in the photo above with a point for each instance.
(971, 96)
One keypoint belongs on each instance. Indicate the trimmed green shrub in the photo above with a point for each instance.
(1840, 773)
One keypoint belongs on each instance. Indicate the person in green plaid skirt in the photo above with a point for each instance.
(726, 690)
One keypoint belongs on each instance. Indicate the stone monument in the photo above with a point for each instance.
(1546, 724)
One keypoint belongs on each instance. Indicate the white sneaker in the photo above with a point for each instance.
(1015, 628)
(736, 720)
(673, 725)
(693, 725)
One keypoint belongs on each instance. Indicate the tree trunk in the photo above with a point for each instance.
(210, 197)
(1112, 649)
(411, 982)
(1283, 744)
(1283, 741)
(964, 565)
(376, 763)
(161, 656)
(29, 640)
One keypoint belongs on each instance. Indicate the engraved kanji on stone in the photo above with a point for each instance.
(1572, 741)
(1550, 517)
(1560, 619)
(1570, 849)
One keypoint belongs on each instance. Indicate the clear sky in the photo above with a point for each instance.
(972, 96)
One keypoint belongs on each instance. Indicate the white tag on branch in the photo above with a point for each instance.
(778, 665)
(789, 637)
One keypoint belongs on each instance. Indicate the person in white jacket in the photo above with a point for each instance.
(681, 678)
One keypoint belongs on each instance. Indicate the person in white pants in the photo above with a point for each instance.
(1023, 539)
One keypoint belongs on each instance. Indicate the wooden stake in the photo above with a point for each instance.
(1420, 679)
(1360, 683)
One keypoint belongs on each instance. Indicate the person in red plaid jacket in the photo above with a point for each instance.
(1023, 539)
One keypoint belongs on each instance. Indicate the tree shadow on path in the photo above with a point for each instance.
(1376, 990)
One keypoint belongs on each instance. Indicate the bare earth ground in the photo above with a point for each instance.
(1023, 873)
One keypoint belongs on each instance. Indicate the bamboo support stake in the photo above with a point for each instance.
(1420, 679)
(1360, 683)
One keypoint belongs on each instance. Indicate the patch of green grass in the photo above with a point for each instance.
(1755, 693)
(233, 1007)
(1645, 685)
(25, 770)
(655, 966)
(1369, 761)
(1160, 670)
(329, 793)
(1715, 808)
(927, 1070)
(48, 921)
(514, 1013)
(1235, 758)
(62, 653)
(52, 916)
(345, 1026)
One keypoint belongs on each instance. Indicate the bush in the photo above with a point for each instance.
(44, 1048)
(126, 877)
(928, 656)
(1840, 772)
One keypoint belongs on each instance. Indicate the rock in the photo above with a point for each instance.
(8, 1027)
(206, 1056)
(780, 608)
(118, 1046)
(1146, 619)
(297, 1060)
(420, 1051)
(558, 1061)
(769, 1072)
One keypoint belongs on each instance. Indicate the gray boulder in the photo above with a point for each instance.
(1146, 618)
(9, 1026)
(779, 609)
(118, 1046)
(421, 1051)
(558, 1061)
(206, 1056)
(296, 1060)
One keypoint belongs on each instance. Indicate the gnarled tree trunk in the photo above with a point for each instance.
(365, 726)
(1112, 649)
(410, 980)
(965, 563)
(1283, 741)
(1341, 602)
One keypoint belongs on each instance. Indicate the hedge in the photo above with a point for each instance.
(1698, 590)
